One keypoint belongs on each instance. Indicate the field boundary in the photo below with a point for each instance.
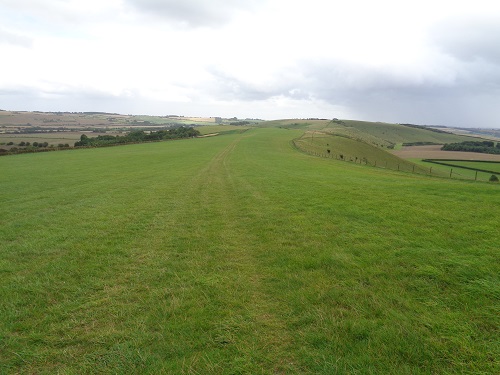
(415, 168)
(439, 161)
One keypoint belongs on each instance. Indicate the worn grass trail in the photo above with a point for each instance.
(238, 254)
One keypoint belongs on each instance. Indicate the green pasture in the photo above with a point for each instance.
(478, 165)
(239, 254)
(455, 169)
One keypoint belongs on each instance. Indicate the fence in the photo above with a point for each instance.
(407, 167)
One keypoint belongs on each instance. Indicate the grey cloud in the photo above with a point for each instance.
(7, 37)
(464, 94)
(229, 87)
(194, 12)
(469, 39)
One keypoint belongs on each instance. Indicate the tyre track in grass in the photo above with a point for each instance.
(248, 326)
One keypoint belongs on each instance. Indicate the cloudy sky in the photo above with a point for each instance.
(423, 62)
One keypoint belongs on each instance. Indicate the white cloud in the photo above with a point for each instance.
(426, 61)
(194, 13)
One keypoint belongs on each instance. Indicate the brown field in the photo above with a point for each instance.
(434, 152)
(199, 119)
(12, 120)
(69, 137)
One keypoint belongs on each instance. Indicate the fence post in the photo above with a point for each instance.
(430, 171)
(475, 179)
(413, 169)
(451, 171)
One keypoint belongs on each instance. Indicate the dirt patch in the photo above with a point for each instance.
(434, 152)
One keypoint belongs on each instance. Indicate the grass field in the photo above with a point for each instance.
(52, 138)
(453, 171)
(435, 152)
(238, 254)
(479, 165)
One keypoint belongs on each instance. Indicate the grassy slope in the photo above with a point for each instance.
(353, 150)
(375, 133)
(395, 133)
(237, 254)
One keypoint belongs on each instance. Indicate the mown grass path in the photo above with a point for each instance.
(238, 254)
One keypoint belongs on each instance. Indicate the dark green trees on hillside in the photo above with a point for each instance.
(485, 147)
(137, 136)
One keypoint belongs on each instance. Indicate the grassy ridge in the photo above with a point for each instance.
(396, 134)
(343, 148)
(382, 135)
(237, 254)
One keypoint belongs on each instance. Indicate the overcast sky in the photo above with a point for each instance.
(422, 62)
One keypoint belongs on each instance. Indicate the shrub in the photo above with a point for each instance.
(493, 178)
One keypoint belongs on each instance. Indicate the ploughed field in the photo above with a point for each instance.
(239, 254)
(435, 152)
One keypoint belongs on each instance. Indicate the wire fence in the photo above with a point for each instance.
(403, 166)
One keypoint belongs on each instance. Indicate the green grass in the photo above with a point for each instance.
(379, 134)
(238, 254)
(478, 165)
(388, 133)
(456, 169)
(347, 149)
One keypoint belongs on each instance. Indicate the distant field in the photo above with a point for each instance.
(16, 121)
(494, 167)
(51, 138)
(220, 129)
(239, 254)
(453, 171)
(434, 152)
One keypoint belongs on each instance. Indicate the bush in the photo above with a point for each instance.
(493, 178)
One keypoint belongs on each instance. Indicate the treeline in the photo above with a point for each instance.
(485, 147)
(240, 123)
(425, 128)
(137, 136)
(420, 143)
